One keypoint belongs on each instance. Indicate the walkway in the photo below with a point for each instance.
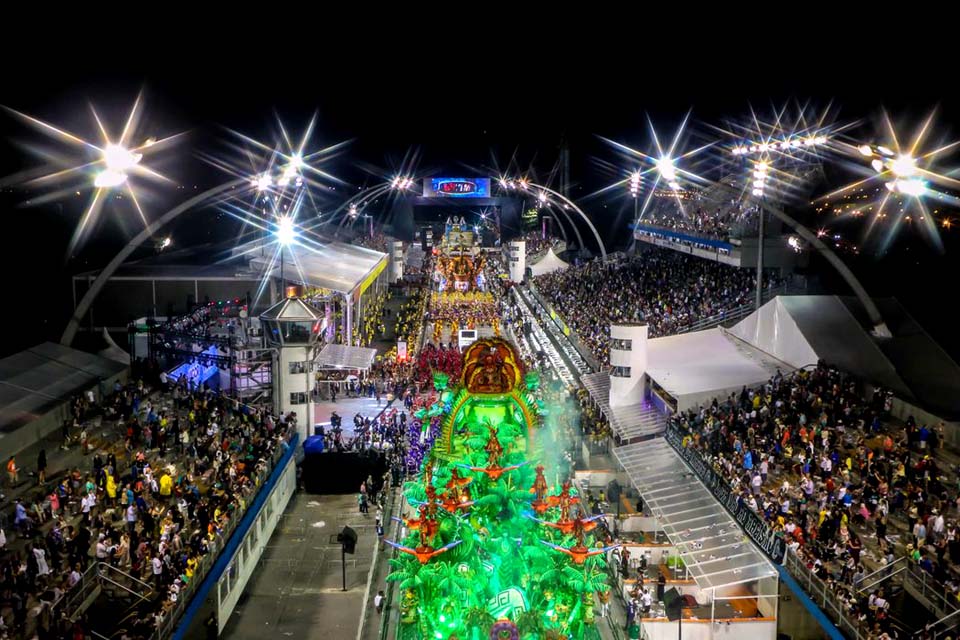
(298, 590)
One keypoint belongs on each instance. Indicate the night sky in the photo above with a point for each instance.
(458, 115)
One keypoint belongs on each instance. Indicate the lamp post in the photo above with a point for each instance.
(759, 185)
(879, 326)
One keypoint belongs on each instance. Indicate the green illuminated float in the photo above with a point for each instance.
(493, 551)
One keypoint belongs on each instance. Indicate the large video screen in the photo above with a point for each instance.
(456, 188)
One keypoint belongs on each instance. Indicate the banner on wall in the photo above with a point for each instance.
(402, 350)
(752, 524)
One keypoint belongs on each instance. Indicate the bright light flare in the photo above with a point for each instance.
(667, 168)
(263, 182)
(286, 234)
(109, 179)
(119, 158)
(904, 166)
(914, 187)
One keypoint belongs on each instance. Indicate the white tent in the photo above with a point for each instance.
(774, 330)
(694, 368)
(548, 264)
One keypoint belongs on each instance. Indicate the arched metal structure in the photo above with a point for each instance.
(880, 328)
(572, 205)
(84, 305)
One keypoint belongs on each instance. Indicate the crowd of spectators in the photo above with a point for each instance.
(666, 289)
(153, 507)
(824, 466)
(377, 242)
(536, 243)
(715, 221)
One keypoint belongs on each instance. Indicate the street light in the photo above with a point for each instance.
(118, 160)
(286, 235)
(902, 168)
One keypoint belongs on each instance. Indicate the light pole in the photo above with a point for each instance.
(635, 178)
(286, 235)
(759, 186)
(879, 326)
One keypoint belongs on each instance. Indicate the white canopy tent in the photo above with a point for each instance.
(341, 356)
(336, 266)
(694, 368)
(548, 264)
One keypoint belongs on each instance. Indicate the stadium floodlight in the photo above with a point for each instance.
(667, 168)
(903, 166)
(760, 177)
(865, 150)
(263, 182)
(118, 158)
(401, 182)
(166, 242)
(286, 234)
(542, 197)
(108, 179)
(794, 243)
(914, 187)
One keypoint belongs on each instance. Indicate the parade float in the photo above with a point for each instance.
(491, 548)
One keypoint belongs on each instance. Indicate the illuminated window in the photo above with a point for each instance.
(298, 398)
(620, 372)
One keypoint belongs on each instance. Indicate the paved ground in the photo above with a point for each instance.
(297, 591)
(346, 408)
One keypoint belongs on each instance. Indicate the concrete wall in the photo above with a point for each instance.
(235, 571)
(517, 260)
(903, 410)
(707, 630)
(794, 620)
(243, 563)
(294, 383)
(630, 389)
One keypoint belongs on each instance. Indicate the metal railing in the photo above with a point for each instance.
(117, 578)
(572, 337)
(169, 621)
(734, 314)
(881, 575)
(825, 597)
(922, 586)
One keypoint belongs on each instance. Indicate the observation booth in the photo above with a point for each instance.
(293, 329)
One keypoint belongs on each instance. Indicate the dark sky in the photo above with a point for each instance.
(457, 110)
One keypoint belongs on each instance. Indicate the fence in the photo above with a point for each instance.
(735, 314)
(570, 335)
(171, 620)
